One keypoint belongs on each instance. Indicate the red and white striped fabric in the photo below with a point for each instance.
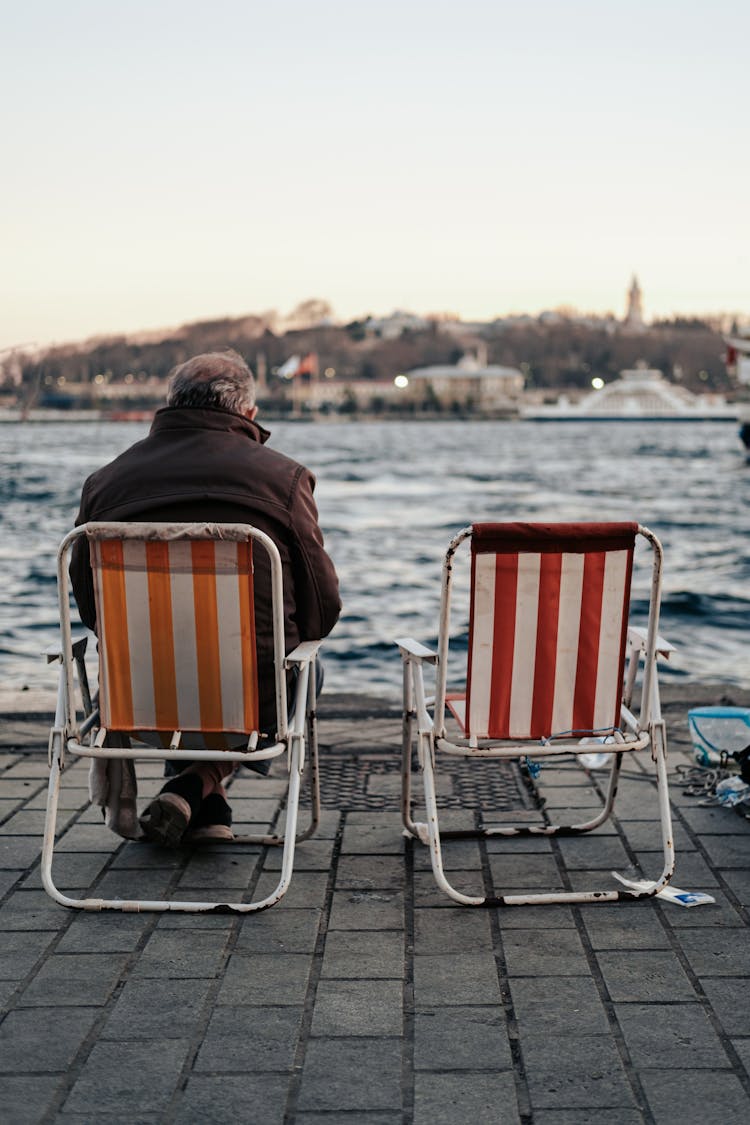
(176, 630)
(549, 612)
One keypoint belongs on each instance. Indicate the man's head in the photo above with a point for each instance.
(218, 380)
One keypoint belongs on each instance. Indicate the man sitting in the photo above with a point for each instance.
(205, 460)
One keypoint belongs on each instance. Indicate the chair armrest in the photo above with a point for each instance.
(303, 653)
(411, 648)
(52, 652)
(637, 640)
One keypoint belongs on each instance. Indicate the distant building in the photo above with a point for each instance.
(488, 386)
(634, 313)
(393, 326)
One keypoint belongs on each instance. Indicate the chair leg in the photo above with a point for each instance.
(432, 837)
(433, 827)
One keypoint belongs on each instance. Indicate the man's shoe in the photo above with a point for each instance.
(212, 823)
(167, 818)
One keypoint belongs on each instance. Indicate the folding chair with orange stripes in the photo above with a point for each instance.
(552, 661)
(178, 672)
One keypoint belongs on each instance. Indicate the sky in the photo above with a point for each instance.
(166, 161)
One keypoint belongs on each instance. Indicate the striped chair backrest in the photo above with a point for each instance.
(176, 627)
(547, 629)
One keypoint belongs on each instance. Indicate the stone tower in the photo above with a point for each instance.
(634, 314)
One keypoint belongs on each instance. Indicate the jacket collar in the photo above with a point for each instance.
(205, 418)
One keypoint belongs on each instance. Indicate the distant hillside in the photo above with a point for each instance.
(558, 352)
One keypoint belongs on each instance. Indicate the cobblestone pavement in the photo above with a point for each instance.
(365, 996)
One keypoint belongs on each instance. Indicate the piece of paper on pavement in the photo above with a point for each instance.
(669, 893)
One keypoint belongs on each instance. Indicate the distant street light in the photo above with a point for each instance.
(597, 383)
(401, 381)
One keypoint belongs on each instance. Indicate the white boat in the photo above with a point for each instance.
(639, 395)
(738, 366)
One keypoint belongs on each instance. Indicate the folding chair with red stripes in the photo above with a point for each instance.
(552, 661)
(178, 672)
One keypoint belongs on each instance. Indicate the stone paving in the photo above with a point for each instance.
(365, 996)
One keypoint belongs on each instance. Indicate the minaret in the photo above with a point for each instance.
(634, 314)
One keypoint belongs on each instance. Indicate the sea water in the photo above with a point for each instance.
(390, 497)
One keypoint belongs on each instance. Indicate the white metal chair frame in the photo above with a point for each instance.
(292, 737)
(636, 733)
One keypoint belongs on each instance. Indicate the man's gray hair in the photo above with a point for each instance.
(218, 380)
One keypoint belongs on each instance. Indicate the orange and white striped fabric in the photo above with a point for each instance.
(176, 629)
(547, 631)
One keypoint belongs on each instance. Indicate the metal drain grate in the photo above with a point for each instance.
(365, 783)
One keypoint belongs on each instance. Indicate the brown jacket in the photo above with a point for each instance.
(212, 465)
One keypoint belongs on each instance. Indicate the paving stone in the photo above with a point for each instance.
(512, 845)
(89, 838)
(727, 996)
(156, 1009)
(280, 979)
(330, 1064)
(306, 889)
(310, 855)
(739, 884)
(26, 822)
(31, 910)
(137, 856)
(357, 872)
(574, 1070)
(691, 870)
(742, 1047)
(531, 953)
(105, 932)
(687, 1097)
(593, 852)
(9, 879)
(20, 951)
(524, 872)
(616, 1115)
(395, 1117)
(46, 1040)
(71, 872)
(358, 1007)
(241, 1037)
(80, 979)
(461, 1038)
(365, 955)
(443, 979)
(25, 1099)
(214, 873)
(145, 885)
(458, 855)
(117, 1074)
(373, 837)
(674, 1035)
(716, 954)
(727, 851)
(19, 851)
(714, 821)
(451, 930)
(644, 976)
(168, 954)
(644, 836)
(568, 797)
(276, 931)
(367, 910)
(482, 1099)
(558, 1006)
(555, 916)
(253, 1099)
(626, 925)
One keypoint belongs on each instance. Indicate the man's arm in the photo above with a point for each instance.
(316, 585)
(80, 572)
